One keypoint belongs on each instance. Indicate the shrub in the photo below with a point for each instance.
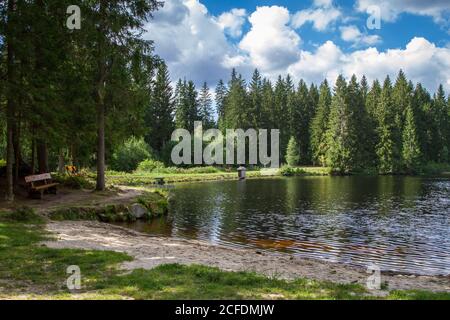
(292, 153)
(150, 165)
(25, 214)
(2, 163)
(208, 169)
(74, 182)
(291, 171)
(128, 156)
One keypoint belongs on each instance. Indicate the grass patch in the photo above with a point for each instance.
(38, 272)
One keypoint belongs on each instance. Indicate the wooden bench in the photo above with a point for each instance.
(40, 183)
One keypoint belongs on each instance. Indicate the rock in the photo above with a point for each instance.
(138, 211)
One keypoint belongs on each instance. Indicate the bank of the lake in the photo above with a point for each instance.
(34, 257)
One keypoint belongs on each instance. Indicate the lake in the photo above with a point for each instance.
(400, 224)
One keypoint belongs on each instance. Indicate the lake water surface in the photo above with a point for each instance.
(401, 224)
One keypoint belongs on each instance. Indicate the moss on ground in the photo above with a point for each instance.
(155, 202)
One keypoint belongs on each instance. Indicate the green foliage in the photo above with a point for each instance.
(159, 113)
(186, 105)
(150, 165)
(80, 181)
(2, 163)
(319, 126)
(292, 153)
(412, 155)
(25, 214)
(341, 133)
(128, 156)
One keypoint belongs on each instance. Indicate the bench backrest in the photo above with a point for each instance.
(38, 177)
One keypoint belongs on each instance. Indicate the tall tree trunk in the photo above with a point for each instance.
(42, 155)
(101, 145)
(10, 107)
(99, 96)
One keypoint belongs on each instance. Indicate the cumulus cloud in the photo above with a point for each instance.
(353, 34)
(232, 21)
(192, 42)
(420, 59)
(321, 15)
(194, 45)
(271, 43)
(391, 9)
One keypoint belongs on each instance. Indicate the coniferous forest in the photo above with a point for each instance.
(76, 97)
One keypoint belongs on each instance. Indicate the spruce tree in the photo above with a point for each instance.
(319, 126)
(387, 150)
(221, 93)
(292, 152)
(440, 126)
(255, 100)
(205, 107)
(411, 152)
(340, 135)
(158, 115)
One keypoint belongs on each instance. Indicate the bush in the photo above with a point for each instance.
(149, 165)
(74, 182)
(128, 156)
(291, 171)
(2, 163)
(26, 214)
(292, 153)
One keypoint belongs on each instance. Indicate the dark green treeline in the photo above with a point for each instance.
(392, 127)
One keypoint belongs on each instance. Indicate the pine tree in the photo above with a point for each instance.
(236, 103)
(340, 135)
(359, 122)
(411, 152)
(371, 105)
(281, 114)
(187, 107)
(319, 126)
(267, 105)
(440, 126)
(221, 93)
(387, 150)
(301, 117)
(292, 152)
(159, 114)
(255, 100)
(205, 106)
(421, 105)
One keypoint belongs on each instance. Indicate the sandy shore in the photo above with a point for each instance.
(149, 252)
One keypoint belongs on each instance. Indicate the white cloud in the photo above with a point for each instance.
(353, 34)
(321, 15)
(271, 43)
(192, 42)
(232, 21)
(391, 9)
(195, 46)
(421, 60)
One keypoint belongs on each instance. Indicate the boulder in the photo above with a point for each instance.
(138, 211)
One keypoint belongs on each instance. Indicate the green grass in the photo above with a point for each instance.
(30, 270)
(191, 175)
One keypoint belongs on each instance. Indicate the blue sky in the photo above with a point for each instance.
(203, 40)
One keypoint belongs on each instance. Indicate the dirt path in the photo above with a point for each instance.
(152, 251)
(71, 197)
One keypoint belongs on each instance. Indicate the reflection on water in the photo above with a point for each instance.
(400, 223)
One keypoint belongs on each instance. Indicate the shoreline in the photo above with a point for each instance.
(150, 251)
